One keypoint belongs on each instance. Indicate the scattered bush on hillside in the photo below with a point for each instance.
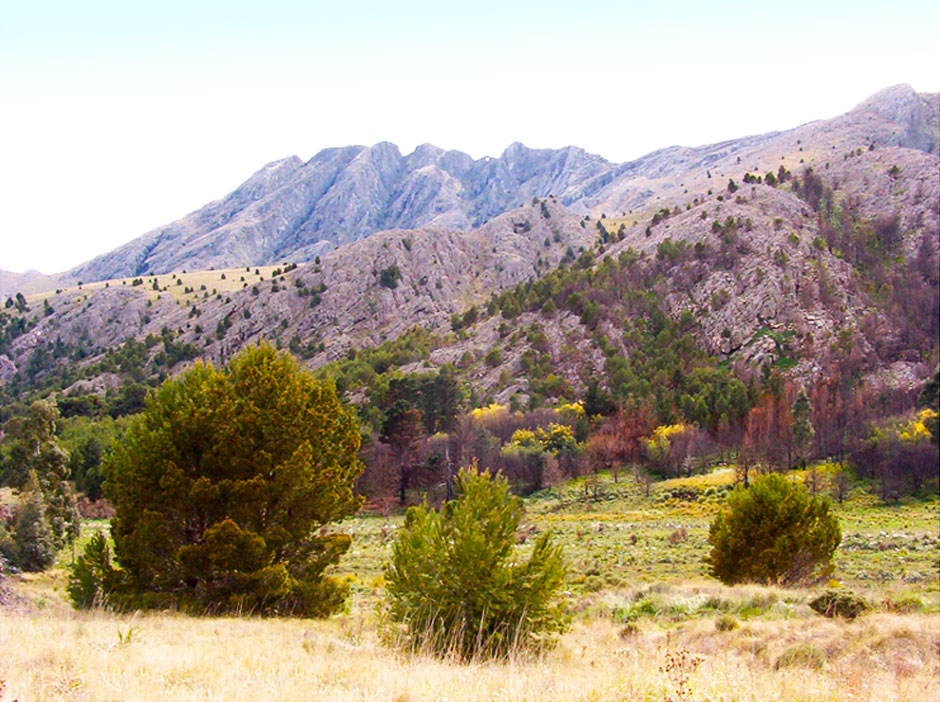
(389, 277)
(773, 532)
(454, 585)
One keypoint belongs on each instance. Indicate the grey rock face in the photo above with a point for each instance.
(292, 211)
(7, 370)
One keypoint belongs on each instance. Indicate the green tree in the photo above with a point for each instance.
(389, 277)
(222, 488)
(453, 582)
(32, 545)
(772, 532)
(38, 464)
(402, 430)
(802, 425)
(92, 576)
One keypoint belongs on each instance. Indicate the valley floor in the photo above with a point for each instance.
(640, 601)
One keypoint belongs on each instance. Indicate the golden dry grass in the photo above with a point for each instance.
(235, 279)
(59, 654)
(724, 475)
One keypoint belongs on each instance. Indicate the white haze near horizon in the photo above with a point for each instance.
(117, 119)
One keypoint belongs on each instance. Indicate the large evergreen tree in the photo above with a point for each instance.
(223, 487)
(39, 468)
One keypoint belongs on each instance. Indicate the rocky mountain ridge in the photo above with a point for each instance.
(760, 273)
(292, 210)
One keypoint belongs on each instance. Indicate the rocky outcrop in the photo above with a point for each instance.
(7, 370)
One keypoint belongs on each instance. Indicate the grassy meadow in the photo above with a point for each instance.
(647, 623)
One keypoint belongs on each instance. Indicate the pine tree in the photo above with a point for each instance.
(773, 532)
(802, 425)
(222, 488)
(34, 543)
(403, 431)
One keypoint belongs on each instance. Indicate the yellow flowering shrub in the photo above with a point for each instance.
(657, 446)
(571, 410)
(491, 410)
(915, 431)
(552, 438)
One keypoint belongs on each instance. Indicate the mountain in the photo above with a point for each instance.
(27, 283)
(292, 210)
(357, 295)
(805, 250)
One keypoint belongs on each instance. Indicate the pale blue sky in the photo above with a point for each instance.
(117, 117)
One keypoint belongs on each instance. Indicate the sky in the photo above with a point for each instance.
(118, 116)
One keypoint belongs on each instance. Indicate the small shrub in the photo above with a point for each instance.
(91, 577)
(772, 532)
(452, 582)
(389, 277)
(905, 604)
(494, 357)
(802, 655)
(629, 630)
(679, 536)
(726, 623)
(839, 603)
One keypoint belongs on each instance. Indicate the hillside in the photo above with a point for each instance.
(292, 210)
(766, 278)
(834, 264)
(27, 283)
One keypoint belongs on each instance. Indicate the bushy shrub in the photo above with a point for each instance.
(839, 603)
(726, 622)
(454, 584)
(389, 277)
(904, 603)
(801, 655)
(91, 577)
(772, 532)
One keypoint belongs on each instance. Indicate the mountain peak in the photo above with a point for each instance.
(290, 209)
(514, 148)
(889, 101)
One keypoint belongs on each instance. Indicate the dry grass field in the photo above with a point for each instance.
(640, 605)
(58, 654)
(192, 286)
